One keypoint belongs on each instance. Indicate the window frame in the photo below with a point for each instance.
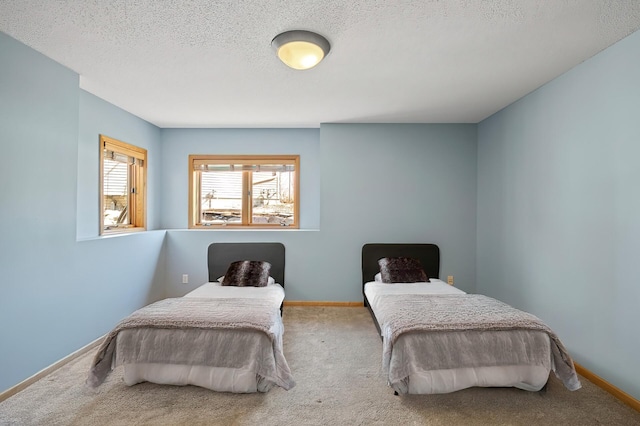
(136, 184)
(246, 210)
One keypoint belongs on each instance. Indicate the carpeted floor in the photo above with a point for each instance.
(335, 357)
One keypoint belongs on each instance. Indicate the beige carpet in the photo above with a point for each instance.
(335, 356)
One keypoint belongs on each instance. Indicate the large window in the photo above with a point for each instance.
(244, 191)
(123, 182)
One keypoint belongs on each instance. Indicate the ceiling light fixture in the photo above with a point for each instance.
(300, 49)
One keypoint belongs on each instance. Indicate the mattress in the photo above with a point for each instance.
(238, 378)
(412, 347)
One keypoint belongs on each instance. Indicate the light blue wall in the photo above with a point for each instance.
(393, 183)
(559, 209)
(378, 183)
(57, 294)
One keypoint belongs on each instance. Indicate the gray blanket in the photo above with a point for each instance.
(462, 313)
(257, 317)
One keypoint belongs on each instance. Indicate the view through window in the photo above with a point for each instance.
(122, 186)
(254, 191)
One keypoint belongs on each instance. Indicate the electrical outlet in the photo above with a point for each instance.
(450, 280)
(185, 278)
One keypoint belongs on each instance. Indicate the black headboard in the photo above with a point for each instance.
(220, 256)
(428, 254)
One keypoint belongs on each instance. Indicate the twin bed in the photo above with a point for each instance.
(438, 339)
(225, 335)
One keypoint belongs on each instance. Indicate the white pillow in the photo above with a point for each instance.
(269, 281)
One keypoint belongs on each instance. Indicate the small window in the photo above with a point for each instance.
(244, 191)
(123, 183)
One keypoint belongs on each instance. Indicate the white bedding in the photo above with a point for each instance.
(374, 290)
(273, 292)
(221, 379)
(527, 377)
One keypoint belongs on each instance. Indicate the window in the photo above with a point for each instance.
(123, 184)
(244, 191)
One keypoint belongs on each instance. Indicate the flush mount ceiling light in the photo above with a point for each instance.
(300, 49)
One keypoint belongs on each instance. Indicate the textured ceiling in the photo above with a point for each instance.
(197, 63)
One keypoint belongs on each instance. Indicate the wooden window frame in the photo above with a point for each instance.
(136, 181)
(194, 189)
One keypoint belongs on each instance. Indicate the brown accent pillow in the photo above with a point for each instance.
(247, 273)
(401, 270)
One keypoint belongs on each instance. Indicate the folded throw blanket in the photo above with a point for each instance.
(401, 314)
(204, 314)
